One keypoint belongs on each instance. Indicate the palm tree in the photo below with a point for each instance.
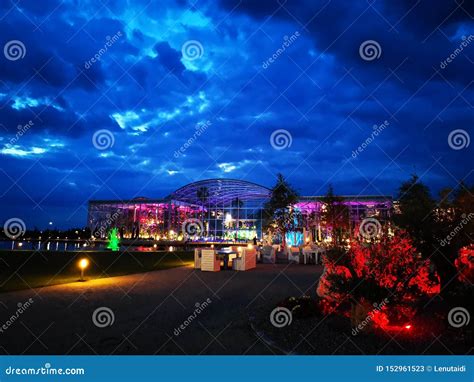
(280, 214)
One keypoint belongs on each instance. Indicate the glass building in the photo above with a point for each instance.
(215, 210)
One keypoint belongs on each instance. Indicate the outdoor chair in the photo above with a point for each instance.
(209, 261)
(309, 252)
(246, 261)
(294, 255)
(268, 254)
(197, 258)
(315, 251)
(232, 256)
(321, 251)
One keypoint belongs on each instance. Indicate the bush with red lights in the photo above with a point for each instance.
(388, 270)
(465, 264)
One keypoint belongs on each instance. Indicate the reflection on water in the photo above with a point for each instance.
(58, 245)
(63, 245)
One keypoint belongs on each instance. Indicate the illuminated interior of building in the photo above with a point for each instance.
(218, 210)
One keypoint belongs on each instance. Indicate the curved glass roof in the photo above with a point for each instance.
(220, 191)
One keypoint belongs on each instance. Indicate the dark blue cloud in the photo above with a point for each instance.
(169, 58)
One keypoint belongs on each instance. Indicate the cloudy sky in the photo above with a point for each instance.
(116, 99)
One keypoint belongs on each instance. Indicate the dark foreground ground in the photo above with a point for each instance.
(32, 269)
(429, 334)
(148, 308)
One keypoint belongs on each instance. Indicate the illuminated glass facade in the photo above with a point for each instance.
(359, 207)
(216, 209)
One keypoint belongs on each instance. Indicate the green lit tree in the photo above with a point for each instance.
(114, 241)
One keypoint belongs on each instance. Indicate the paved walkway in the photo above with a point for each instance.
(148, 308)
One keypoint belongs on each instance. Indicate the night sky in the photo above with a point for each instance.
(98, 98)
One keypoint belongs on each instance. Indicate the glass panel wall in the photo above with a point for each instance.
(219, 209)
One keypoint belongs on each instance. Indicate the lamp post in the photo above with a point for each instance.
(83, 263)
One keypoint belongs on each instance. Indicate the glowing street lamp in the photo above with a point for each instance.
(83, 263)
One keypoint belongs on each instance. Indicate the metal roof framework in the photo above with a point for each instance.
(220, 191)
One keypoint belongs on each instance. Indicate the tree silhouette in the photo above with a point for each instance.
(280, 216)
(335, 216)
(439, 229)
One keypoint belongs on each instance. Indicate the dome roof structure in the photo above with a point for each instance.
(220, 191)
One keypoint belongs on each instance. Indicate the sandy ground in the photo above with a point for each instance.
(147, 309)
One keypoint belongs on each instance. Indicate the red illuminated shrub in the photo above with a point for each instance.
(387, 270)
(465, 264)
